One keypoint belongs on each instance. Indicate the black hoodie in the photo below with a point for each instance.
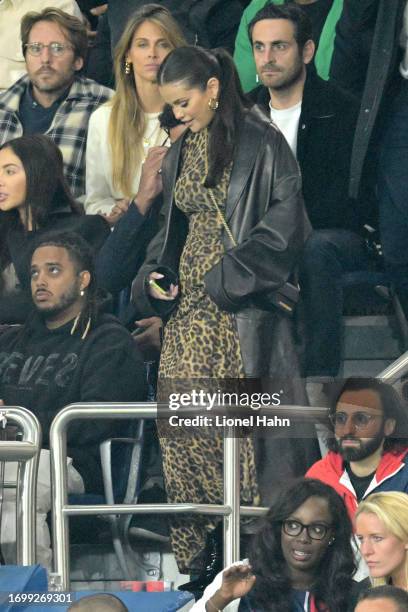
(44, 370)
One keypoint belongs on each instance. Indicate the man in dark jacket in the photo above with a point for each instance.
(318, 120)
(371, 57)
(369, 443)
(68, 351)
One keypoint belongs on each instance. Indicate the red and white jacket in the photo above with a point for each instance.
(391, 475)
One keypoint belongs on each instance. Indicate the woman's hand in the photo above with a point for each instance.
(117, 211)
(99, 10)
(155, 291)
(148, 336)
(237, 581)
(150, 180)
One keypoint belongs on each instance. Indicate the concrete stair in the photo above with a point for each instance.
(370, 343)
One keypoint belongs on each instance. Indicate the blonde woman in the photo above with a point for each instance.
(123, 133)
(382, 530)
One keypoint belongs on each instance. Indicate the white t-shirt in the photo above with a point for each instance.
(404, 44)
(287, 120)
(100, 193)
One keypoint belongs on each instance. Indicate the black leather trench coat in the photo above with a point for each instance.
(265, 213)
(365, 61)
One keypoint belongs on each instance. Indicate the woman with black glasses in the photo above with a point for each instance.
(301, 559)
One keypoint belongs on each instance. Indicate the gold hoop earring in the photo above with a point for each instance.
(127, 67)
(213, 104)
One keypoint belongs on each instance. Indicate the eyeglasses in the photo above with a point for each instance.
(315, 531)
(56, 49)
(359, 420)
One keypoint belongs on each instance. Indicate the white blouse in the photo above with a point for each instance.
(100, 193)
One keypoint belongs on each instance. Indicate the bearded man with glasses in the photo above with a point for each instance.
(53, 98)
(12, 65)
(368, 446)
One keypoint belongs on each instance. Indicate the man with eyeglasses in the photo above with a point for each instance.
(53, 98)
(12, 65)
(369, 442)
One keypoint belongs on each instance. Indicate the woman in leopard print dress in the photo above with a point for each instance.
(203, 342)
(200, 350)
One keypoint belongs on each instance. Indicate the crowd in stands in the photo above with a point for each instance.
(152, 210)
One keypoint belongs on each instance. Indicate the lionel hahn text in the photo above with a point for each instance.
(223, 421)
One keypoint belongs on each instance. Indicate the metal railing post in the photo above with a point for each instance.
(26, 452)
(59, 491)
(58, 448)
(231, 497)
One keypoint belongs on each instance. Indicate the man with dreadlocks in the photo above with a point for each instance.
(69, 351)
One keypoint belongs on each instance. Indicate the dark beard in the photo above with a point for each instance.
(66, 300)
(291, 80)
(365, 450)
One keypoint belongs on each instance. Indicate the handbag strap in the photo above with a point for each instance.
(282, 304)
(213, 199)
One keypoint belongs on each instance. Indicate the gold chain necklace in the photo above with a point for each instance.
(210, 191)
(147, 140)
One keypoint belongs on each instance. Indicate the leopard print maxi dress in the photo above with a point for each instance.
(200, 349)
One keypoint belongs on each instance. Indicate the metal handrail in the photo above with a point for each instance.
(396, 369)
(230, 510)
(27, 453)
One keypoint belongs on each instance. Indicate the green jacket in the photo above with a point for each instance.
(243, 50)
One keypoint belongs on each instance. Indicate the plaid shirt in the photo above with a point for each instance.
(69, 127)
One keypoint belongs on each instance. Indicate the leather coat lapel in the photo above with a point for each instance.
(171, 167)
(246, 152)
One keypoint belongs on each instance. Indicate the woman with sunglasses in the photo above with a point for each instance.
(382, 530)
(124, 135)
(301, 559)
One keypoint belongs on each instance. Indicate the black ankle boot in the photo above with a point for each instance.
(213, 560)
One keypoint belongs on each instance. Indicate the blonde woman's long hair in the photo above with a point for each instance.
(127, 120)
(391, 508)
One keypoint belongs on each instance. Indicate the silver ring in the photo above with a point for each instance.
(159, 171)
